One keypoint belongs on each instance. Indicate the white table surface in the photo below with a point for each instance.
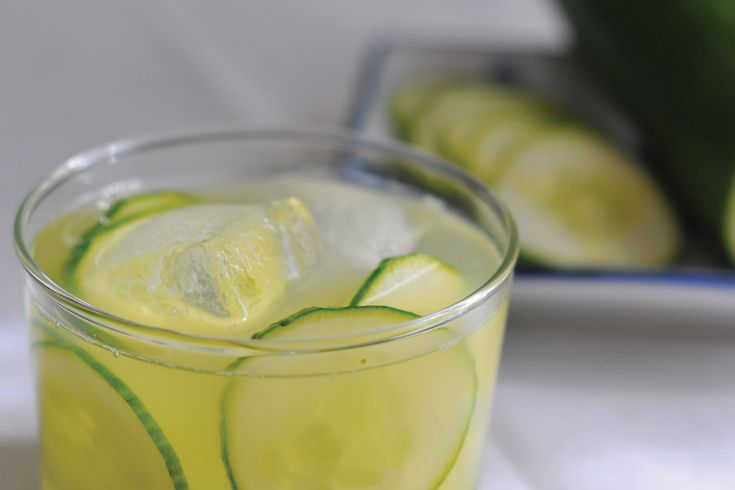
(82, 72)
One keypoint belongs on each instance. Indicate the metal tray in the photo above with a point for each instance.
(702, 277)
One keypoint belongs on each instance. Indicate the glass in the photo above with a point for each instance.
(127, 405)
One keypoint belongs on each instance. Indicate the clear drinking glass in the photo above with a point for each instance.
(128, 405)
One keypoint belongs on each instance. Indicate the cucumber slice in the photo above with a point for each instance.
(398, 426)
(320, 322)
(96, 432)
(579, 202)
(417, 282)
(147, 204)
(462, 101)
(481, 142)
(455, 139)
(119, 213)
(410, 100)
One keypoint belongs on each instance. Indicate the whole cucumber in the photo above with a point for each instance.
(672, 64)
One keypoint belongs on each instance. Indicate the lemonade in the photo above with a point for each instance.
(294, 332)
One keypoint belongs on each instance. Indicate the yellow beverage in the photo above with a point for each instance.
(283, 334)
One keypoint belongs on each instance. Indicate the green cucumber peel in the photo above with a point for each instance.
(506, 184)
(312, 310)
(461, 102)
(387, 264)
(155, 202)
(224, 437)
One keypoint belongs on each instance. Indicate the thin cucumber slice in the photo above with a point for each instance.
(398, 426)
(455, 139)
(96, 433)
(581, 203)
(463, 101)
(410, 100)
(122, 212)
(481, 142)
(417, 282)
(321, 322)
(147, 204)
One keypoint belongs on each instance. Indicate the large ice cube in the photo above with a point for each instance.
(213, 264)
(363, 226)
(365, 231)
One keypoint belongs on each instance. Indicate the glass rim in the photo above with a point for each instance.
(335, 136)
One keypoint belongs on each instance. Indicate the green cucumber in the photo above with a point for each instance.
(416, 282)
(147, 204)
(680, 64)
(460, 102)
(96, 432)
(673, 70)
(396, 426)
(410, 100)
(580, 203)
(119, 213)
(479, 143)
(564, 183)
(453, 140)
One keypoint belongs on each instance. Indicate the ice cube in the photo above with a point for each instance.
(245, 261)
(362, 226)
(202, 263)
